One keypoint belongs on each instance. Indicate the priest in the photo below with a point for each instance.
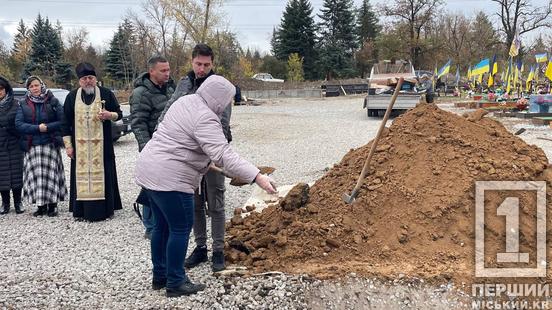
(89, 111)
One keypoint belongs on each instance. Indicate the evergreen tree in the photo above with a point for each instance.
(297, 35)
(368, 29)
(21, 44)
(46, 49)
(337, 38)
(118, 64)
(367, 23)
(64, 74)
(484, 37)
(20, 50)
(274, 42)
(130, 41)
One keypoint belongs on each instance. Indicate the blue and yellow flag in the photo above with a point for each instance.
(445, 69)
(481, 68)
(509, 77)
(548, 71)
(529, 79)
(457, 77)
(541, 57)
(494, 70)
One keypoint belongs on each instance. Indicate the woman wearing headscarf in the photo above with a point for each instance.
(39, 120)
(11, 156)
(169, 168)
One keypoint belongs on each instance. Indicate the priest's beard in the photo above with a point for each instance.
(89, 90)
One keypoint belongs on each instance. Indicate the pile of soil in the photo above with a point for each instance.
(414, 215)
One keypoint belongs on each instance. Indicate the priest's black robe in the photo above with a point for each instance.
(95, 210)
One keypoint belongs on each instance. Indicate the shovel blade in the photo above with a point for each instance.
(349, 199)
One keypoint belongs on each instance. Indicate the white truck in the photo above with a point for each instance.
(267, 77)
(383, 79)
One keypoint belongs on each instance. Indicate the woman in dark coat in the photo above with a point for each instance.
(11, 156)
(40, 120)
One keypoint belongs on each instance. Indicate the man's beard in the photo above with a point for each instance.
(89, 90)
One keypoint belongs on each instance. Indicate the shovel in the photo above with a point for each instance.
(351, 198)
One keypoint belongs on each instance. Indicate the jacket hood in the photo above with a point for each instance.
(9, 90)
(217, 93)
(144, 80)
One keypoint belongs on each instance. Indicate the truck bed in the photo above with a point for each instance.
(377, 104)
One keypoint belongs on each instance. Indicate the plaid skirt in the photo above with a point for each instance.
(43, 175)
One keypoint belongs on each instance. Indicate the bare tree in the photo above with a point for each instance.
(76, 41)
(147, 43)
(198, 18)
(456, 34)
(416, 14)
(157, 12)
(520, 16)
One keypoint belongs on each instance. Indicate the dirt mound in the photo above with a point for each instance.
(414, 215)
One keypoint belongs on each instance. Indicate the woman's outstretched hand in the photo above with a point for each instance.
(266, 183)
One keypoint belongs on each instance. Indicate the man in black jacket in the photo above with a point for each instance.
(212, 186)
(151, 92)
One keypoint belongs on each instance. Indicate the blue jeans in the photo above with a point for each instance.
(173, 214)
(147, 219)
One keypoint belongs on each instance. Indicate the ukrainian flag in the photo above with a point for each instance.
(494, 70)
(481, 68)
(548, 71)
(541, 57)
(529, 79)
(444, 70)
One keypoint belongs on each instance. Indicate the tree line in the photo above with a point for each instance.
(339, 41)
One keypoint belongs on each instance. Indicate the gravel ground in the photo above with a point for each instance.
(58, 263)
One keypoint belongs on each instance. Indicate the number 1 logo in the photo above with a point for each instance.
(509, 208)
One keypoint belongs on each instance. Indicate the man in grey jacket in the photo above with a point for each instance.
(212, 185)
(151, 92)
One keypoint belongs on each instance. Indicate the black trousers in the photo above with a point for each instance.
(16, 196)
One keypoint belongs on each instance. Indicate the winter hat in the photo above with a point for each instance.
(84, 69)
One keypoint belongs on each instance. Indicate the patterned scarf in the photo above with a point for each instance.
(42, 97)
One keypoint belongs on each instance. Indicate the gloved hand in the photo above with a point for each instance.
(266, 183)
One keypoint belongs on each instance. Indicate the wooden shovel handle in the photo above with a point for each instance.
(378, 135)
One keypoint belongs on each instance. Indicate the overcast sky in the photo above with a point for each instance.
(252, 20)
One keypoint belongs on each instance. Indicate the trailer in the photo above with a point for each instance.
(382, 82)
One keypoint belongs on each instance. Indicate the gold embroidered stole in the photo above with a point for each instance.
(89, 149)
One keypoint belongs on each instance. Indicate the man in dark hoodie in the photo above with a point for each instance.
(212, 185)
(151, 92)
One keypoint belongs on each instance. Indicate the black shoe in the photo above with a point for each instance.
(5, 209)
(186, 288)
(52, 210)
(40, 212)
(158, 284)
(18, 208)
(199, 255)
(217, 261)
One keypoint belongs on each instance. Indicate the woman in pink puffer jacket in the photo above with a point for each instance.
(169, 168)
